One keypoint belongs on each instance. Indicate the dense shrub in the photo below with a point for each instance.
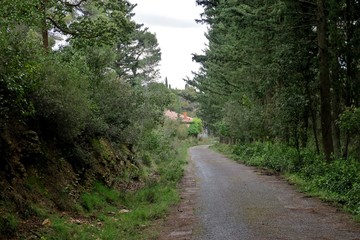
(157, 145)
(20, 62)
(277, 157)
(62, 101)
(195, 128)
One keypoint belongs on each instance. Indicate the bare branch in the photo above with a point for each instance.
(308, 2)
(72, 4)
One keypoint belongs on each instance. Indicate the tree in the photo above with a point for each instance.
(166, 82)
(138, 61)
(88, 22)
(21, 63)
(324, 78)
(258, 74)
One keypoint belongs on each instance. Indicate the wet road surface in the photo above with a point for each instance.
(233, 201)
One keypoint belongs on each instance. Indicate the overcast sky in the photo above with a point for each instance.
(173, 22)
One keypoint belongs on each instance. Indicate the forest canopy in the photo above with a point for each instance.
(282, 70)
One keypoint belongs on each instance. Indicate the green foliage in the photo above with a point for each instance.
(62, 101)
(161, 145)
(176, 129)
(196, 127)
(19, 12)
(20, 66)
(102, 206)
(104, 149)
(97, 114)
(138, 61)
(259, 78)
(8, 225)
(273, 156)
(92, 23)
(99, 197)
(350, 120)
(238, 77)
(158, 95)
(111, 114)
(222, 129)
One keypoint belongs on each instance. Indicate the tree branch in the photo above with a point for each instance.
(308, 2)
(61, 28)
(72, 4)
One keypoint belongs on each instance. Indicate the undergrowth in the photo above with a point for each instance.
(336, 182)
(107, 213)
(122, 198)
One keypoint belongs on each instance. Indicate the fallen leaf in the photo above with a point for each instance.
(122, 211)
(46, 222)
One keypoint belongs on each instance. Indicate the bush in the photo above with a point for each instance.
(265, 154)
(63, 101)
(20, 63)
(340, 176)
(195, 127)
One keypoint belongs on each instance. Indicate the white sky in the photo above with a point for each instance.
(173, 22)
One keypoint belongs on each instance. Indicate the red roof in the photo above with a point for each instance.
(174, 116)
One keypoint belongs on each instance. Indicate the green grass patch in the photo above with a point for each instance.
(9, 224)
(110, 214)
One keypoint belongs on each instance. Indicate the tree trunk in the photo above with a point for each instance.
(336, 104)
(346, 145)
(304, 127)
(313, 116)
(44, 30)
(335, 75)
(314, 125)
(324, 78)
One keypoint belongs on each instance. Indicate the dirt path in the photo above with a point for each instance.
(226, 200)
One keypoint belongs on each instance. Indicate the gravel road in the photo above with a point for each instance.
(233, 201)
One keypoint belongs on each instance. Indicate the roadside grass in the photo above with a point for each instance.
(207, 141)
(337, 182)
(106, 213)
(9, 224)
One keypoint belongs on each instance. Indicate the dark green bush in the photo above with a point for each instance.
(20, 62)
(339, 176)
(63, 101)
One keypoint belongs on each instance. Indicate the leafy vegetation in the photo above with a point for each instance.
(195, 127)
(108, 213)
(281, 70)
(279, 81)
(82, 127)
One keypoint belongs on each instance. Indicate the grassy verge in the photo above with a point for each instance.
(337, 182)
(105, 213)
